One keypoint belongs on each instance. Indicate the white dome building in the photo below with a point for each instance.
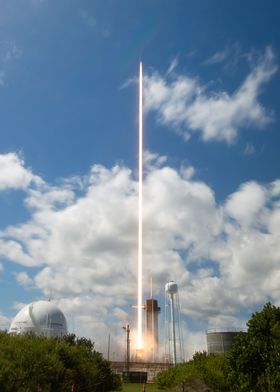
(42, 318)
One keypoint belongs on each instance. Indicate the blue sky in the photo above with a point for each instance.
(68, 158)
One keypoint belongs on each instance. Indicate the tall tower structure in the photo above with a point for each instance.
(152, 311)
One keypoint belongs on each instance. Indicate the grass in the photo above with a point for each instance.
(128, 387)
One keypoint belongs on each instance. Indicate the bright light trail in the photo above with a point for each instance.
(140, 225)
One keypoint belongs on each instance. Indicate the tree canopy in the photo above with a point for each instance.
(211, 369)
(252, 365)
(29, 363)
(255, 356)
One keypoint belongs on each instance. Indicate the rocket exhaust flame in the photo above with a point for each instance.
(140, 226)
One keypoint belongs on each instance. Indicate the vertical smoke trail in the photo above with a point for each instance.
(140, 227)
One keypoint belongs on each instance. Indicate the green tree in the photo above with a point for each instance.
(29, 363)
(255, 356)
(211, 369)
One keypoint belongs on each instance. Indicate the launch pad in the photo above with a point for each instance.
(143, 371)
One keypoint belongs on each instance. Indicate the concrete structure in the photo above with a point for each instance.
(42, 318)
(220, 341)
(151, 368)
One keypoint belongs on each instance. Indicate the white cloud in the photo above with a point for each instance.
(229, 55)
(152, 161)
(225, 257)
(275, 188)
(49, 197)
(23, 279)
(4, 322)
(173, 65)
(187, 106)
(229, 323)
(246, 205)
(217, 57)
(187, 171)
(13, 174)
(194, 342)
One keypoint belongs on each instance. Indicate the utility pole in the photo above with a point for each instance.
(108, 348)
(127, 331)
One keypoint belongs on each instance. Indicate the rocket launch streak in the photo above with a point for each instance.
(140, 226)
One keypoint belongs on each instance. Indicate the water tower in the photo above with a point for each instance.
(173, 328)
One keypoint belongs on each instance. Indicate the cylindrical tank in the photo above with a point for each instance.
(43, 318)
(171, 287)
(220, 341)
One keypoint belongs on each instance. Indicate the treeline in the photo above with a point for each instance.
(211, 369)
(29, 363)
(252, 365)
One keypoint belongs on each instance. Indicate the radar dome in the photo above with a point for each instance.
(42, 318)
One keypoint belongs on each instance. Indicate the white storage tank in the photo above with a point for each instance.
(171, 287)
(42, 318)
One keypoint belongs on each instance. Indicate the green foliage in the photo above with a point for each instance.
(29, 363)
(252, 365)
(255, 357)
(212, 369)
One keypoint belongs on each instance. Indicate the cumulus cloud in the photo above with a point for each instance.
(224, 256)
(13, 250)
(13, 174)
(23, 279)
(4, 322)
(228, 322)
(189, 107)
(194, 342)
(246, 205)
(152, 161)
